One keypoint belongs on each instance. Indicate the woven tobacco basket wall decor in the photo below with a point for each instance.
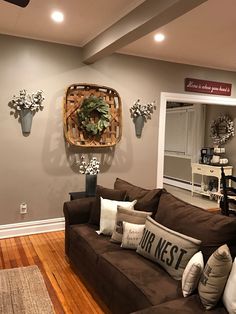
(74, 131)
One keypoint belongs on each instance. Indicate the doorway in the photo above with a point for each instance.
(186, 98)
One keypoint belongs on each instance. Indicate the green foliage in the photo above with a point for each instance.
(96, 108)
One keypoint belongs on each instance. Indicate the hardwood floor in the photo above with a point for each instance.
(46, 250)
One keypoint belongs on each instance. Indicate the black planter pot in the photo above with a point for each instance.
(90, 184)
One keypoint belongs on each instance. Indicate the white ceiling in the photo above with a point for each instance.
(204, 36)
(84, 19)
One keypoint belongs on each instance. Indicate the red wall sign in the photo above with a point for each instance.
(207, 87)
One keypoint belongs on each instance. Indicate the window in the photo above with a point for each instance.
(183, 126)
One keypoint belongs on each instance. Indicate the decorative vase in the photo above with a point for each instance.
(90, 184)
(139, 123)
(26, 117)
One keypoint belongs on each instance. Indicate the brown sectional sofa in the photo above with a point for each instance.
(125, 281)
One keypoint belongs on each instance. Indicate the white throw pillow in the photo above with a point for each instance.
(192, 274)
(132, 235)
(108, 214)
(229, 296)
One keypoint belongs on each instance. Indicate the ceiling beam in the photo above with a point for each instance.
(150, 15)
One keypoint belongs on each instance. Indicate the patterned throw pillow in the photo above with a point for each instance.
(108, 214)
(132, 234)
(192, 274)
(171, 249)
(134, 216)
(214, 277)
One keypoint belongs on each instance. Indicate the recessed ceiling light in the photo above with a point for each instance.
(57, 16)
(159, 37)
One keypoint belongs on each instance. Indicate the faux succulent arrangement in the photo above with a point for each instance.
(93, 115)
(92, 167)
(26, 101)
(145, 110)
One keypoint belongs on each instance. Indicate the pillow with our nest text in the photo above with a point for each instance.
(108, 214)
(170, 249)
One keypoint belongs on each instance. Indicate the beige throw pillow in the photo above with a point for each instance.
(192, 274)
(214, 277)
(171, 249)
(134, 216)
(229, 296)
(132, 234)
(108, 214)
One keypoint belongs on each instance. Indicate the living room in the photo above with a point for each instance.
(40, 169)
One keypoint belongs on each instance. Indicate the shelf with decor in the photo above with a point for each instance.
(208, 171)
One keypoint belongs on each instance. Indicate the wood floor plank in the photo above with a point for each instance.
(4, 252)
(72, 280)
(46, 250)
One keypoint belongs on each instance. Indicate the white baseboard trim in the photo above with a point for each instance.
(179, 184)
(31, 227)
(182, 185)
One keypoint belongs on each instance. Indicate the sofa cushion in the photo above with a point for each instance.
(190, 305)
(111, 194)
(124, 214)
(147, 200)
(136, 282)
(88, 244)
(170, 249)
(213, 229)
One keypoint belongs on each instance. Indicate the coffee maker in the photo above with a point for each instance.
(206, 155)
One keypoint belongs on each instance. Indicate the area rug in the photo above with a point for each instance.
(23, 291)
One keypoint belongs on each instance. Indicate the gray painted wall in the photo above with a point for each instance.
(212, 113)
(38, 169)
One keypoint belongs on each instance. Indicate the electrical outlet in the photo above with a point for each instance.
(23, 208)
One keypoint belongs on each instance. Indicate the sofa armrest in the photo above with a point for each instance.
(76, 212)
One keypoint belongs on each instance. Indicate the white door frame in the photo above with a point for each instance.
(187, 98)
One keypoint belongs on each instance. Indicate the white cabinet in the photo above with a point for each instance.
(208, 171)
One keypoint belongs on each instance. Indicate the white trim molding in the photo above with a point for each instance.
(178, 184)
(182, 185)
(31, 227)
(187, 98)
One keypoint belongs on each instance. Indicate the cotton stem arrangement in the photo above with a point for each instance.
(26, 101)
(92, 167)
(145, 110)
